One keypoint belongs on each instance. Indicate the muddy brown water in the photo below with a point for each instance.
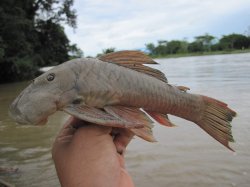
(183, 156)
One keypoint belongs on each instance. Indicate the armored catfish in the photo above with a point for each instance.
(117, 90)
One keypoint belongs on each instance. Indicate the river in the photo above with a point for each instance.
(183, 156)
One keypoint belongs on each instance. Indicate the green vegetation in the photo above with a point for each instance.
(106, 51)
(31, 36)
(203, 45)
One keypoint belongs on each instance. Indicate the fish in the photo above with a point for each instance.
(120, 90)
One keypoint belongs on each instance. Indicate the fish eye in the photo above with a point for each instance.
(51, 77)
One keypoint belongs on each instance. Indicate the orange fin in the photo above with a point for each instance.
(161, 118)
(144, 133)
(148, 70)
(97, 116)
(183, 88)
(216, 120)
(132, 115)
(127, 57)
(134, 60)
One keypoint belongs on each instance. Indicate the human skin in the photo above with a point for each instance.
(86, 155)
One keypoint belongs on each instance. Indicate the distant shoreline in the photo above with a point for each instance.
(201, 54)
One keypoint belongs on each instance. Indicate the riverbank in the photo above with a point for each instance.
(201, 53)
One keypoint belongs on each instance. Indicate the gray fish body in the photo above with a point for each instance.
(117, 85)
(108, 92)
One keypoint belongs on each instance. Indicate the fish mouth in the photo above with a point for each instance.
(17, 115)
(22, 119)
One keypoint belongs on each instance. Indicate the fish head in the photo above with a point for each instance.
(44, 96)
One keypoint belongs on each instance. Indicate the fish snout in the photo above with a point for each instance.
(33, 106)
(25, 111)
(16, 114)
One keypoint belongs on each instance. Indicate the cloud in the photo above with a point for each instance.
(132, 23)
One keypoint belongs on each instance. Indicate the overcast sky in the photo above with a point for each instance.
(130, 24)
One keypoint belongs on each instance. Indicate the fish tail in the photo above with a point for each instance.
(216, 119)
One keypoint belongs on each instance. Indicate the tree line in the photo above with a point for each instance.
(32, 36)
(203, 43)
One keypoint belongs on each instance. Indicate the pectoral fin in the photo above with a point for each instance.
(132, 115)
(116, 116)
(98, 116)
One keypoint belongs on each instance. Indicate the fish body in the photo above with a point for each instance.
(117, 85)
(117, 90)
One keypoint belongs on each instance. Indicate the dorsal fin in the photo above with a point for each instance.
(127, 57)
(134, 60)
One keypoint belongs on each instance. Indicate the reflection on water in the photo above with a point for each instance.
(183, 156)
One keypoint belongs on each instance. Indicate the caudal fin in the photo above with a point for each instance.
(216, 121)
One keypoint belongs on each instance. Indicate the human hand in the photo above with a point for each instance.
(86, 155)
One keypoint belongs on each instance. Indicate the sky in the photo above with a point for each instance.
(130, 24)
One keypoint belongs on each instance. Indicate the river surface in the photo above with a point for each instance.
(184, 156)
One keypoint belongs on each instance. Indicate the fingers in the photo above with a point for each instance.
(66, 132)
(64, 137)
(122, 139)
(72, 124)
(75, 122)
(69, 129)
(78, 123)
